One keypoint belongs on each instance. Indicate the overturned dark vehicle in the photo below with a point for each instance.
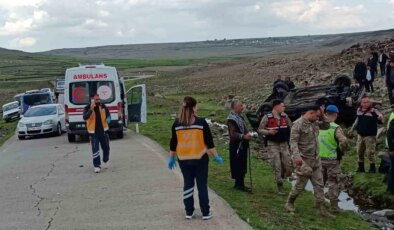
(341, 92)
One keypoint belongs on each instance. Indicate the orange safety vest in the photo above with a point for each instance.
(91, 121)
(191, 144)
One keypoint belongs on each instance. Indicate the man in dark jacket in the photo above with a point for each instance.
(382, 62)
(290, 83)
(360, 72)
(373, 62)
(97, 119)
(239, 144)
(390, 77)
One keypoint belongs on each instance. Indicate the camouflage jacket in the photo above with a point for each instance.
(304, 137)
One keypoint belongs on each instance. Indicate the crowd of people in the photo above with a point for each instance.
(365, 73)
(311, 148)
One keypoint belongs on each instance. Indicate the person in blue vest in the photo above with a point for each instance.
(366, 125)
(275, 126)
(390, 142)
(333, 145)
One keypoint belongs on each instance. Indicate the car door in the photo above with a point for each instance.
(136, 99)
(62, 117)
(124, 102)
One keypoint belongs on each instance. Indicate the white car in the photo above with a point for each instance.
(42, 119)
(11, 111)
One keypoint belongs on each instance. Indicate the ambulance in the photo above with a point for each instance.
(124, 106)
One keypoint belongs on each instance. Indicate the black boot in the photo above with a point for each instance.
(360, 167)
(372, 168)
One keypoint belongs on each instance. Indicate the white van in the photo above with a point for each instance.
(85, 80)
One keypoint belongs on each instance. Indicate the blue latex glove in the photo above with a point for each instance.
(218, 159)
(108, 120)
(171, 163)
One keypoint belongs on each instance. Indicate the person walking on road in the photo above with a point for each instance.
(97, 118)
(366, 126)
(304, 145)
(275, 126)
(390, 77)
(191, 142)
(382, 62)
(239, 144)
(333, 145)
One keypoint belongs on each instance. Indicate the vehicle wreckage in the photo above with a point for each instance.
(342, 93)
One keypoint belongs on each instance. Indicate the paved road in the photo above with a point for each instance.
(48, 183)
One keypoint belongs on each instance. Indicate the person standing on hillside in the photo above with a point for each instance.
(275, 126)
(390, 77)
(373, 62)
(290, 83)
(97, 118)
(239, 144)
(370, 77)
(333, 145)
(191, 141)
(304, 145)
(360, 73)
(382, 62)
(366, 125)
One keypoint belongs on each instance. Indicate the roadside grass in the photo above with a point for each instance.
(263, 209)
(372, 184)
(7, 130)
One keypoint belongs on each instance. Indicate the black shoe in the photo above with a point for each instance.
(243, 189)
(372, 168)
(360, 167)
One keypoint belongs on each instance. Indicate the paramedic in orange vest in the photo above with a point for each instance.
(191, 142)
(97, 118)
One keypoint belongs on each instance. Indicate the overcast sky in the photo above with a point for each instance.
(39, 25)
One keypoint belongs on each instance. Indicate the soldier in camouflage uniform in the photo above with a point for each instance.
(275, 126)
(333, 144)
(304, 145)
(366, 126)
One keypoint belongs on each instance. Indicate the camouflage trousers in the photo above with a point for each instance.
(331, 170)
(311, 170)
(366, 146)
(280, 159)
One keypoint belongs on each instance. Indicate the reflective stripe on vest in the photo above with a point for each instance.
(91, 122)
(191, 144)
(388, 125)
(328, 144)
(272, 124)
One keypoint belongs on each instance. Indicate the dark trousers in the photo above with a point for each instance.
(96, 140)
(195, 171)
(382, 69)
(390, 182)
(390, 93)
(369, 86)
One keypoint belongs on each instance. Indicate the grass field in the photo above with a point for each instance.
(263, 209)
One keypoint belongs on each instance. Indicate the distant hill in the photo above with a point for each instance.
(220, 48)
(13, 53)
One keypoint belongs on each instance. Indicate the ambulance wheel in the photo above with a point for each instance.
(71, 138)
(119, 134)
